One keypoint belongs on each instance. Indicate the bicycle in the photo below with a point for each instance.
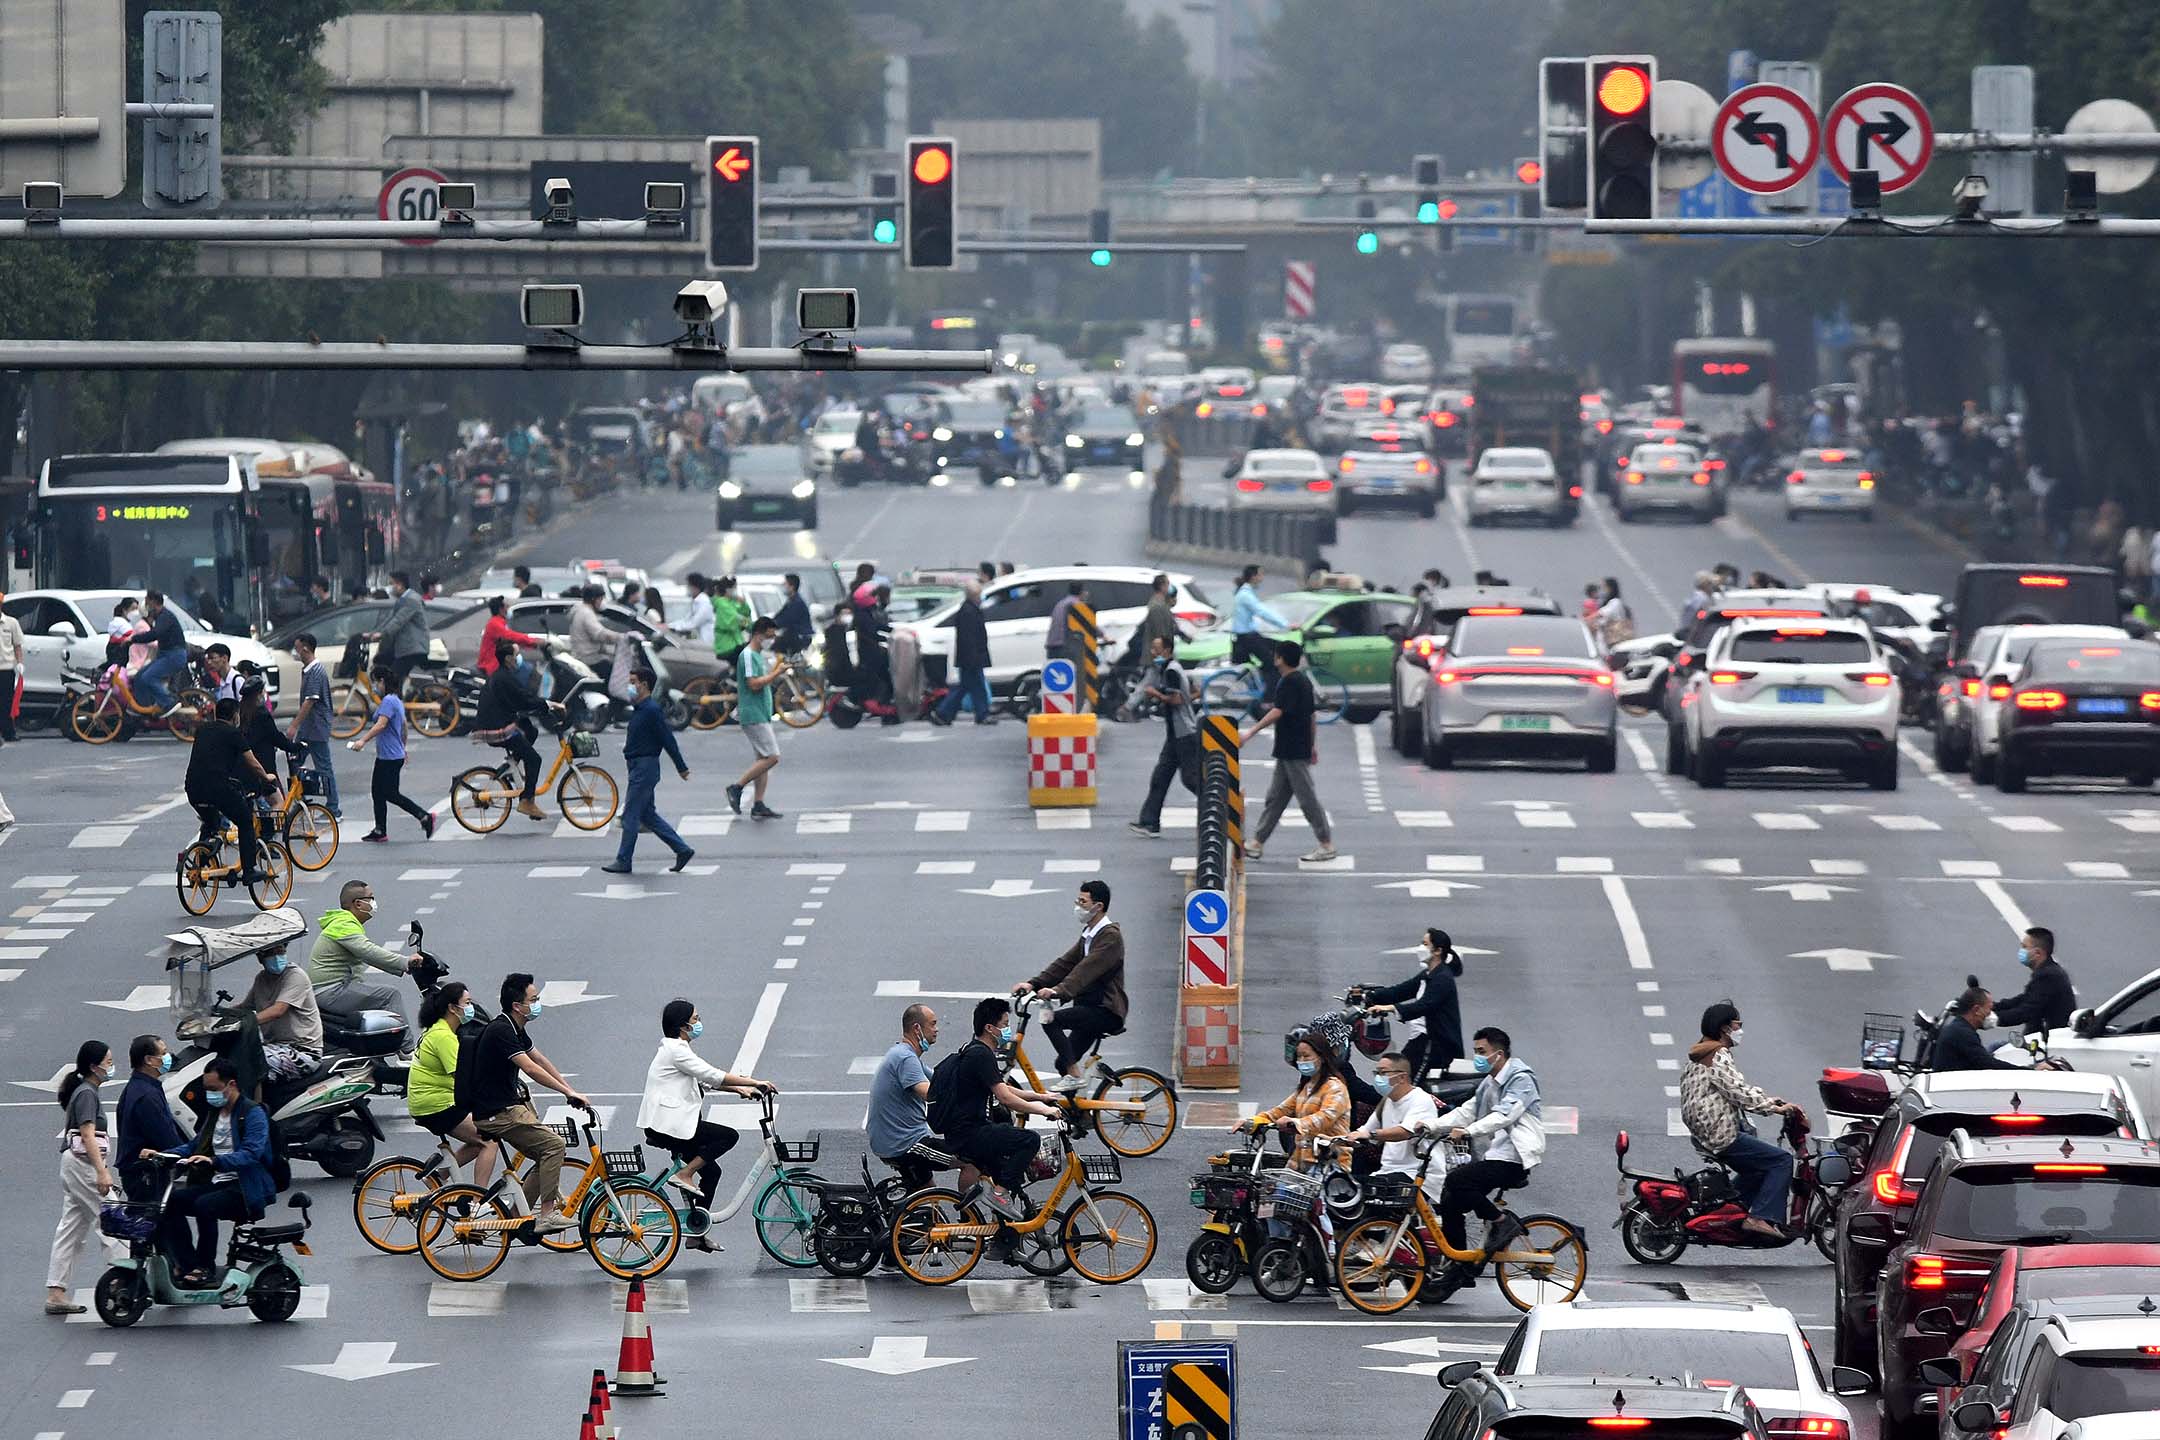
(1128, 1096)
(482, 798)
(388, 1196)
(1106, 1235)
(108, 710)
(430, 704)
(799, 697)
(1240, 690)
(308, 829)
(1381, 1264)
(200, 869)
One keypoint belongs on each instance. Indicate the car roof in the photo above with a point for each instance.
(2072, 1257)
(2041, 1150)
(1664, 1315)
(2104, 1331)
(1461, 597)
(1828, 624)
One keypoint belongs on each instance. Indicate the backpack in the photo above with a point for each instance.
(947, 1111)
(467, 1062)
(280, 1167)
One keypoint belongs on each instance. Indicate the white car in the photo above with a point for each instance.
(830, 434)
(2119, 1037)
(1016, 614)
(1295, 480)
(1406, 364)
(1817, 693)
(731, 396)
(1754, 1346)
(1513, 482)
(67, 628)
(1665, 476)
(1904, 615)
(1830, 482)
(1998, 653)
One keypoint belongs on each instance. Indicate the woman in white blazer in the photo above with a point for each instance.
(672, 1112)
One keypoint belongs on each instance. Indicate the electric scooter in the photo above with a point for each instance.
(256, 1272)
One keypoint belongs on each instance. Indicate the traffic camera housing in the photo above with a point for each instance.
(826, 312)
(701, 302)
(552, 307)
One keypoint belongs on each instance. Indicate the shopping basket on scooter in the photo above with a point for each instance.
(134, 1221)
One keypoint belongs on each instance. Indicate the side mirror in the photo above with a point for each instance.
(2083, 1023)
(1849, 1380)
(1321, 632)
(68, 628)
(1937, 1320)
(1873, 1230)
(1454, 1375)
(1976, 1416)
(1620, 1145)
(1833, 1171)
(1939, 1372)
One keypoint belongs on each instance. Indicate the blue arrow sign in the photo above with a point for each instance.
(1207, 912)
(1057, 675)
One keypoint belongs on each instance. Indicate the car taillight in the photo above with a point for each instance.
(1702, 477)
(1600, 677)
(1634, 477)
(1258, 411)
(1444, 677)
(2059, 1167)
(1604, 427)
(1867, 481)
(1730, 677)
(1892, 1191)
(1387, 406)
(1869, 677)
(1574, 492)
(1249, 485)
(1972, 687)
(1796, 478)
(1818, 1426)
(1424, 466)
(1346, 464)
(2017, 1119)
(1941, 1272)
(1319, 487)
(2150, 700)
(1713, 464)
(2044, 582)
(1420, 645)
(2040, 700)
(1197, 617)
(1445, 419)
(1998, 692)
(1203, 409)
(1619, 1422)
(1494, 610)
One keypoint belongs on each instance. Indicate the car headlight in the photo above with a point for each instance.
(1136, 438)
(1074, 442)
(729, 490)
(997, 434)
(941, 433)
(804, 489)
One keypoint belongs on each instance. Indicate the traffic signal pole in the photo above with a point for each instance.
(278, 230)
(362, 355)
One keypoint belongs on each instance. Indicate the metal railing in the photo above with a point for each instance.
(1215, 534)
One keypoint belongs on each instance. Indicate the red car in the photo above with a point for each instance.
(2049, 1272)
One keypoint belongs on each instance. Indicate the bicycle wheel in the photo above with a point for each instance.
(95, 719)
(1230, 692)
(1026, 695)
(197, 878)
(433, 707)
(1278, 1270)
(1379, 1265)
(1109, 1236)
(929, 1261)
(348, 709)
(711, 702)
(183, 724)
(1145, 1131)
(481, 798)
(630, 1230)
(454, 1245)
(800, 703)
(387, 1200)
(1544, 1282)
(311, 834)
(1331, 697)
(1042, 1252)
(275, 888)
(588, 796)
(786, 1216)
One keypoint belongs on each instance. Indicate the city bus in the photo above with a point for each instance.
(1725, 385)
(1481, 331)
(185, 525)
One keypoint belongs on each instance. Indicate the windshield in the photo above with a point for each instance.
(1693, 1427)
(1799, 646)
(2016, 1206)
(820, 586)
(838, 422)
(2113, 1384)
(1664, 457)
(1484, 317)
(2070, 1281)
(1526, 635)
(1102, 420)
(1297, 611)
(1534, 462)
(1932, 1130)
(184, 545)
(1302, 463)
(765, 462)
(2103, 664)
(1713, 1357)
(2033, 597)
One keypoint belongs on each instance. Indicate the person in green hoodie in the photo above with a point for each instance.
(343, 955)
(731, 619)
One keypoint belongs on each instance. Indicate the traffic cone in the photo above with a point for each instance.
(597, 1402)
(634, 1362)
(585, 1429)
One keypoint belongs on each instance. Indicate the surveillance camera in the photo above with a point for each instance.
(701, 302)
(1969, 194)
(456, 196)
(825, 312)
(665, 197)
(557, 193)
(41, 195)
(552, 307)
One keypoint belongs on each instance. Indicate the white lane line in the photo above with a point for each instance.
(2098, 869)
(945, 867)
(1645, 758)
(942, 820)
(1424, 819)
(862, 537)
(1545, 819)
(1905, 822)
(682, 559)
(54, 882)
(1785, 820)
(1596, 510)
(101, 837)
(1065, 820)
(1971, 869)
(75, 1399)
(999, 545)
(2006, 907)
(2028, 824)
(1583, 864)
(1663, 820)
(1456, 864)
(1072, 867)
(1631, 929)
(151, 812)
(1368, 767)
(761, 1023)
(1786, 563)
(1839, 867)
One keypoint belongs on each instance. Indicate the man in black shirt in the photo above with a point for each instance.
(503, 1059)
(971, 1080)
(221, 770)
(1296, 752)
(504, 704)
(2048, 997)
(1958, 1045)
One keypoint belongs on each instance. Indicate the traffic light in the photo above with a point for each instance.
(1368, 239)
(1099, 237)
(731, 202)
(1563, 133)
(1623, 146)
(885, 215)
(1425, 174)
(1530, 174)
(930, 209)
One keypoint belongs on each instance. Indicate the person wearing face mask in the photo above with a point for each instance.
(1404, 1113)
(338, 965)
(1180, 754)
(964, 1086)
(2048, 997)
(672, 1110)
(287, 1015)
(85, 1180)
(232, 1178)
(1958, 1045)
(1505, 1125)
(1427, 1005)
(145, 1118)
(502, 1107)
(898, 1123)
(1091, 976)
(1319, 1106)
(431, 1085)
(759, 672)
(1715, 1101)
(643, 742)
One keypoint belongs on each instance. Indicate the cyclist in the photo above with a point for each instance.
(1407, 1111)
(343, 955)
(259, 728)
(504, 704)
(504, 1057)
(1427, 1005)
(1247, 613)
(1505, 1125)
(672, 1108)
(219, 765)
(1091, 977)
(962, 1089)
(1319, 1106)
(431, 1085)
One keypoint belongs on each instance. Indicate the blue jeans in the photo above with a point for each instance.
(639, 810)
(319, 758)
(973, 690)
(1765, 1172)
(150, 680)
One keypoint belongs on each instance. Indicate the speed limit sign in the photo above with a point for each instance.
(410, 195)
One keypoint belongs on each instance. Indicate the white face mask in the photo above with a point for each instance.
(1734, 1038)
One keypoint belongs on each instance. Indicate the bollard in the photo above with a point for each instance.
(1219, 742)
(1080, 620)
(1061, 761)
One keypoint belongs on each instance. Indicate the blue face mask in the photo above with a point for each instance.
(276, 964)
(1481, 1063)
(1307, 1068)
(923, 1044)
(2025, 956)
(697, 1028)
(1005, 1035)
(164, 1063)
(537, 1007)
(214, 1099)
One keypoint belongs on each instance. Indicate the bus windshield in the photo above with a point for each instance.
(1484, 317)
(185, 545)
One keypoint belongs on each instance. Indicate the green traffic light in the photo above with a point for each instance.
(1429, 213)
(1368, 242)
(885, 232)
(1099, 257)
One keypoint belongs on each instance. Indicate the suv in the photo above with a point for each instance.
(1518, 684)
(2053, 1364)
(1342, 408)
(1016, 613)
(1521, 481)
(1907, 1137)
(1981, 1196)
(1424, 643)
(1830, 482)
(1666, 475)
(1781, 692)
(1385, 463)
(1484, 1406)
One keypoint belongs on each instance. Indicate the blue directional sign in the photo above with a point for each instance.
(1057, 675)
(1207, 912)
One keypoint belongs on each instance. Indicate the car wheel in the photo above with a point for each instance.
(724, 521)
(1792, 516)
(1676, 762)
(1327, 530)
(2009, 775)
(809, 517)
(1949, 750)
(1404, 733)
(1624, 515)
(1867, 517)
(1604, 756)
(1437, 754)
(1883, 775)
(2142, 780)
(1474, 520)
(1429, 507)
(1982, 766)
(1710, 770)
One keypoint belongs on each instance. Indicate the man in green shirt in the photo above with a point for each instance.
(343, 955)
(755, 675)
(731, 617)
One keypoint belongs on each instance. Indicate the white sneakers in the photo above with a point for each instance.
(1067, 1085)
(1325, 852)
(1252, 849)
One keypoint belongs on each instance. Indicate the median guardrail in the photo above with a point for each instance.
(1217, 535)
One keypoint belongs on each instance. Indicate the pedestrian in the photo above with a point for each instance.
(405, 631)
(521, 577)
(1090, 978)
(1505, 1125)
(1161, 617)
(1297, 750)
(387, 730)
(1615, 623)
(1698, 600)
(672, 1109)
(311, 723)
(971, 662)
(1179, 757)
(2135, 559)
(2049, 997)
(1715, 1101)
(143, 1118)
(646, 736)
(1591, 600)
(14, 660)
(754, 716)
(85, 1179)
(1427, 1005)
(502, 1107)
(1064, 620)
(1248, 612)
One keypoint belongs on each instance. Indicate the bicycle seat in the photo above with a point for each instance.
(282, 1234)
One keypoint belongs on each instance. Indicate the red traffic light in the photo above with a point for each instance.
(933, 165)
(731, 164)
(1623, 90)
(1448, 209)
(1529, 172)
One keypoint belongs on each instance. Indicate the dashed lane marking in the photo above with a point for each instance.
(1785, 820)
(1063, 820)
(941, 820)
(2097, 869)
(101, 837)
(1663, 820)
(1423, 819)
(1072, 867)
(1971, 869)
(2028, 824)
(945, 867)
(1905, 822)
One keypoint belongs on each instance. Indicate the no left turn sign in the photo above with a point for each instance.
(1765, 138)
(1879, 127)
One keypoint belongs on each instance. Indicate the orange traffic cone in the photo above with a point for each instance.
(634, 1362)
(597, 1402)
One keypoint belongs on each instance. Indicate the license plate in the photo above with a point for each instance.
(1830, 499)
(2103, 706)
(1265, 1210)
(1800, 695)
(1199, 1197)
(764, 507)
(1520, 485)
(1526, 722)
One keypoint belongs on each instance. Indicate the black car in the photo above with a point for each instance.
(1485, 1406)
(2081, 707)
(767, 482)
(967, 433)
(1103, 435)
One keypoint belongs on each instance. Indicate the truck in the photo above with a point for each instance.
(1530, 405)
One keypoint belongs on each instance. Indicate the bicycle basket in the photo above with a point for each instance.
(1389, 1192)
(1882, 1041)
(129, 1220)
(584, 745)
(1102, 1169)
(1296, 1189)
(797, 1152)
(566, 1131)
(313, 785)
(622, 1164)
(1045, 1164)
(847, 1206)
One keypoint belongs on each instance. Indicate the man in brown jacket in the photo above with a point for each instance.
(1091, 975)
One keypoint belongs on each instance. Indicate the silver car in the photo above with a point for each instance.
(1512, 685)
(1385, 464)
(1297, 480)
(1513, 482)
(1672, 478)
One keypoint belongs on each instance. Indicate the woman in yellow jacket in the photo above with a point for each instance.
(1319, 1106)
(431, 1087)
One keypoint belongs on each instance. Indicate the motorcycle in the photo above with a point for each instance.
(1230, 1194)
(1660, 1216)
(256, 1272)
(320, 1116)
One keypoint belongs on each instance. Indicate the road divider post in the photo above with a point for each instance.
(1212, 948)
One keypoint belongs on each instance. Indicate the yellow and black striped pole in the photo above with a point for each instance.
(1196, 1402)
(1219, 736)
(1080, 620)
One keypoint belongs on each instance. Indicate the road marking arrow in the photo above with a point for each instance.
(1840, 958)
(1434, 1345)
(1007, 889)
(624, 892)
(897, 1355)
(732, 164)
(1804, 890)
(142, 997)
(1428, 889)
(364, 1361)
(1419, 949)
(567, 992)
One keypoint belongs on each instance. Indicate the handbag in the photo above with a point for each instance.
(81, 1152)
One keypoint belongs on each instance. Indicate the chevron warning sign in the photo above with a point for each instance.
(1207, 960)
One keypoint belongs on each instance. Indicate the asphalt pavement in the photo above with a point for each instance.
(1597, 914)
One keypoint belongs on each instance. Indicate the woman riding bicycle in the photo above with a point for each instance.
(431, 1086)
(672, 1111)
(504, 706)
(1319, 1106)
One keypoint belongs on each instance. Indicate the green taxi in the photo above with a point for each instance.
(1345, 634)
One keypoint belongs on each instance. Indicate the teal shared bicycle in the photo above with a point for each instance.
(1238, 690)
